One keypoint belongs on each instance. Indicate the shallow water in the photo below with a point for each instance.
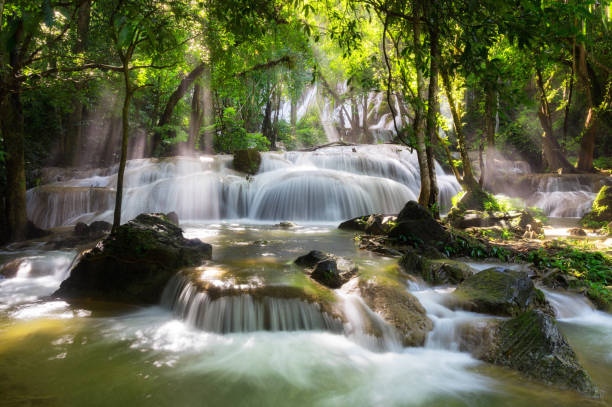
(56, 354)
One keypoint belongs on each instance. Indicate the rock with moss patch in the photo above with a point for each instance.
(327, 269)
(500, 292)
(247, 161)
(396, 306)
(375, 224)
(576, 232)
(416, 226)
(601, 212)
(435, 271)
(134, 264)
(532, 344)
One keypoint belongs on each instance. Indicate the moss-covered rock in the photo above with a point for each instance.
(247, 161)
(415, 225)
(601, 212)
(396, 306)
(532, 344)
(500, 292)
(375, 224)
(134, 264)
(327, 269)
(435, 271)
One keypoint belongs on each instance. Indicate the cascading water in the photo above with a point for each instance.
(566, 196)
(330, 184)
(243, 312)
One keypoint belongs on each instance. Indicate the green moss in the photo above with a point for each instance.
(601, 212)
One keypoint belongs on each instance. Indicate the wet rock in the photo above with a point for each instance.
(81, 229)
(94, 230)
(500, 292)
(525, 221)
(416, 226)
(286, 225)
(435, 271)
(602, 207)
(247, 161)
(327, 269)
(532, 344)
(134, 264)
(396, 306)
(173, 217)
(376, 224)
(578, 232)
(10, 269)
(517, 222)
(34, 232)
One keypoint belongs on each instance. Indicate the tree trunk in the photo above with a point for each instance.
(419, 116)
(125, 128)
(468, 175)
(176, 96)
(208, 117)
(551, 149)
(13, 134)
(195, 118)
(433, 106)
(489, 134)
(266, 127)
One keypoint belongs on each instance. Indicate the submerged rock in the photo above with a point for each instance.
(435, 271)
(416, 225)
(576, 232)
(134, 264)
(532, 344)
(396, 306)
(327, 269)
(500, 292)
(247, 161)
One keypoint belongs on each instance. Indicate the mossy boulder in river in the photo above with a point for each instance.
(247, 161)
(415, 224)
(327, 269)
(500, 292)
(134, 264)
(601, 212)
(532, 344)
(375, 224)
(396, 306)
(435, 271)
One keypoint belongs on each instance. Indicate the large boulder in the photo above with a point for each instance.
(415, 225)
(532, 344)
(396, 306)
(327, 269)
(435, 271)
(96, 229)
(500, 292)
(247, 161)
(375, 224)
(134, 263)
(601, 212)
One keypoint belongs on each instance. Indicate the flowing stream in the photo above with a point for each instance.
(254, 351)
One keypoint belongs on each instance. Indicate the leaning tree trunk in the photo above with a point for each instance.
(468, 175)
(489, 134)
(195, 118)
(550, 146)
(419, 122)
(13, 134)
(433, 106)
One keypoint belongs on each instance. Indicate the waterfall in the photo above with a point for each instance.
(331, 184)
(243, 312)
(565, 196)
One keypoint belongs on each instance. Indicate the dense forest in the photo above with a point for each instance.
(91, 83)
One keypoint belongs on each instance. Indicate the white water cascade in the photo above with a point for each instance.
(330, 184)
(244, 312)
(564, 196)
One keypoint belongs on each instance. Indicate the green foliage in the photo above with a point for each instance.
(233, 136)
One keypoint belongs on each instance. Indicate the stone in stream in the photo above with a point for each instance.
(173, 217)
(577, 232)
(532, 344)
(601, 211)
(327, 269)
(247, 161)
(95, 229)
(415, 224)
(375, 224)
(435, 271)
(499, 292)
(396, 306)
(134, 264)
